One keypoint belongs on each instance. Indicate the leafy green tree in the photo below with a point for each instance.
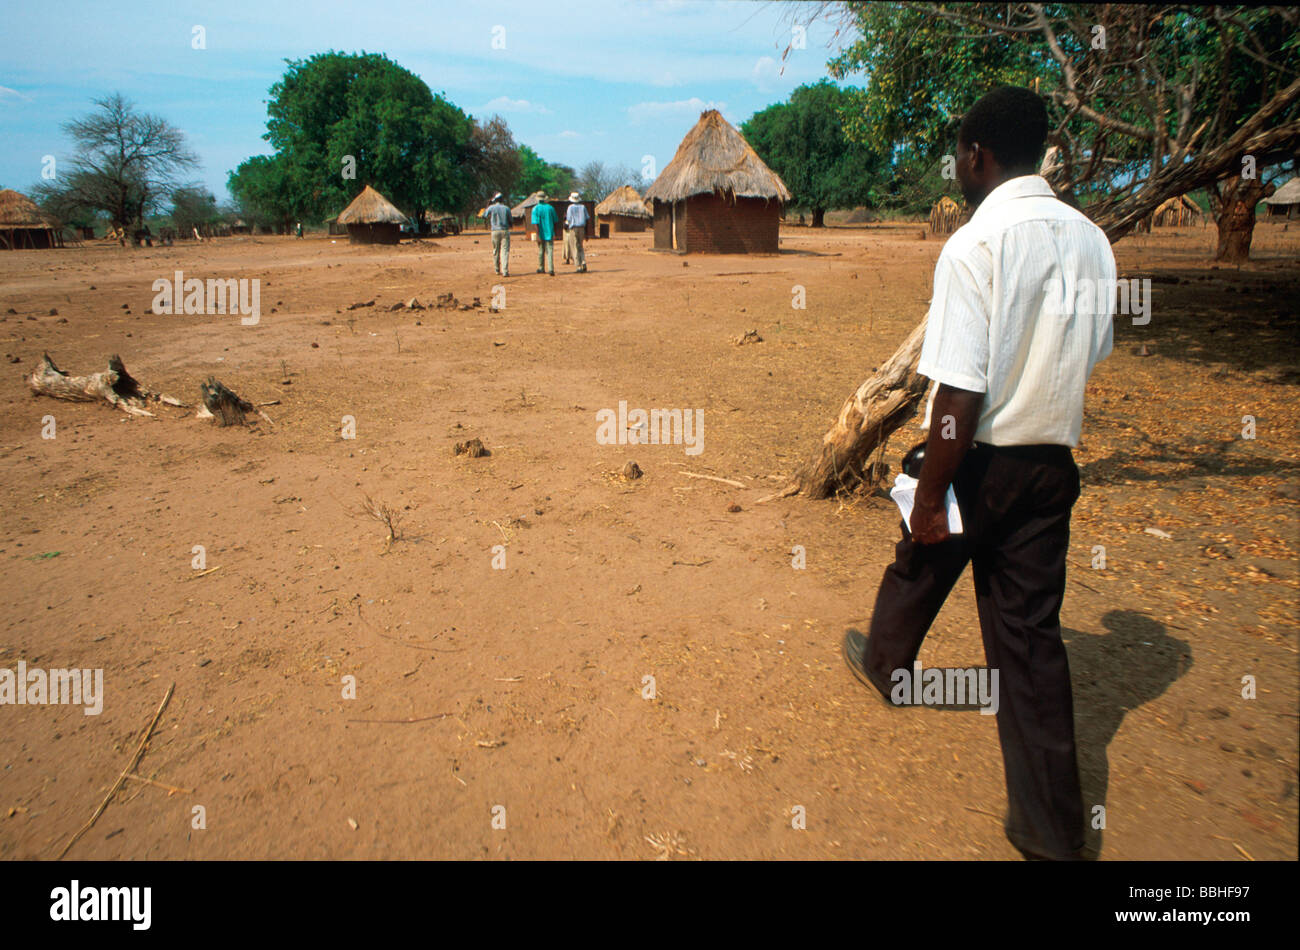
(803, 140)
(1146, 101)
(263, 190)
(536, 174)
(335, 114)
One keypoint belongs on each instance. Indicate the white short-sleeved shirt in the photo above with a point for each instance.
(1010, 316)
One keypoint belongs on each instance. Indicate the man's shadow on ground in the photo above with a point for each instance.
(1129, 665)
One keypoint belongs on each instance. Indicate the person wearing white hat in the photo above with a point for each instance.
(575, 226)
(498, 216)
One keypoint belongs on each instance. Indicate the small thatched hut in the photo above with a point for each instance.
(523, 210)
(24, 225)
(1285, 202)
(1176, 213)
(372, 219)
(717, 196)
(623, 210)
(944, 216)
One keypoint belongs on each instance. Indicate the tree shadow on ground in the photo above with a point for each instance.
(1220, 457)
(1131, 664)
(1243, 320)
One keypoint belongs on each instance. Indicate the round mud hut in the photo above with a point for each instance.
(372, 219)
(622, 211)
(717, 196)
(23, 225)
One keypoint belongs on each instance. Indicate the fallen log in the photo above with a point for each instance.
(114, 386)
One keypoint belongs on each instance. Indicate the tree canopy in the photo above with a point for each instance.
(1142, 98)
(804, 141)
(341, 121)
(536, 174)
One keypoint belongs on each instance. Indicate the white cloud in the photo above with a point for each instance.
(506, 104)
(569, 134)
(7, 93)
(682, 108)
(766, 74)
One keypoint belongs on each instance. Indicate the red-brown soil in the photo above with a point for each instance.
(535, 672)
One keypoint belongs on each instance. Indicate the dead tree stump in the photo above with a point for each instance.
(224, 404)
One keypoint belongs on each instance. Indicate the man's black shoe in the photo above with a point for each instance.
(854, 649)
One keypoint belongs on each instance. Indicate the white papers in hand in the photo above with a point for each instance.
(904, 495)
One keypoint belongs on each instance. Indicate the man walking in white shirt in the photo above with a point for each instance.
(498, 216)
(1021, 313)
(575, 227)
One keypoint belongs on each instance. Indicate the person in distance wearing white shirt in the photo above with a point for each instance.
(1010, 343)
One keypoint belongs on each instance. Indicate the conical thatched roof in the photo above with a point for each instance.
(947, 204)
(1288, 194)
(19, 211)
(370, 207)
(1177, 204)
(715, 158)
(624, 201)
(527, 204)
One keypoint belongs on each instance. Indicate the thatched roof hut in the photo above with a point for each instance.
(1285, 202)
(24, 225)
(372, 219)
(1176, 212)
(944, 216)
(525, 207)
(717, 195)
(623, 210)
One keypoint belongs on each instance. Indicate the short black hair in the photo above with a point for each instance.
(1010, 122)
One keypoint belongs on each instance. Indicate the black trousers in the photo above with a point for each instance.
(1015, 504)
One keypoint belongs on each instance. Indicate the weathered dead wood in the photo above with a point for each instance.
(222, 403)
(870, 416)
(115, 386)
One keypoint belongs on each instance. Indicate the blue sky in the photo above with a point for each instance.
(578, 81)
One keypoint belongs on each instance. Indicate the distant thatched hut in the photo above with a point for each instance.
(523, 210)
(716, 195)
(1285, 202)
(623, 210)
(24, 225)
(944, 216)
(372, 219)
(1175, 213)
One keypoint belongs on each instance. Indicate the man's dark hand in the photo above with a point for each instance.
(929, 522)
(953, 419)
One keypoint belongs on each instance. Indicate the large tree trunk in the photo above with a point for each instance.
(1235, 207)
(819, 217)
(889, 398)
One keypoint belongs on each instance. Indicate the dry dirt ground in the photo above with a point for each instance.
(526, 683)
